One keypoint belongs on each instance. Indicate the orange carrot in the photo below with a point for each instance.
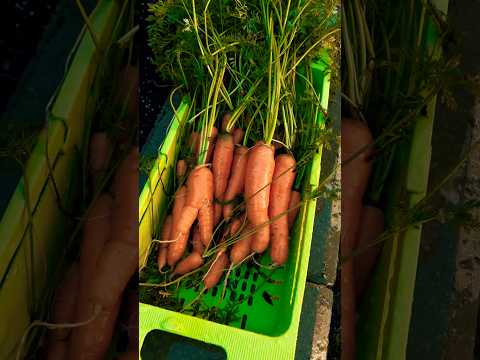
(63, 312)
(211, 144)
(215, 273)
(283, 178)
(237, 224)
(181, 168)
(258, 176)
(242, 247)
(57, 351)
(163, 249)
(222, 162)
(91, 341)
(295, 198)
(199, 187)
(121, 254)
(197, 242)
(96, 233)
(162, 257)
(100, 151)
(206, 218)
(237, 136)
(125, 190)
(177, 211)
(221, 167)
(218, 208)
(190, 263)
(108, 286)
(179, 203)
(130, 355)
(181, 230)
(225, 120)
(237, 179)
(372, 224)
(199, 200)
(124, 238)
(194, 142)
(355, 174)
(200, 196)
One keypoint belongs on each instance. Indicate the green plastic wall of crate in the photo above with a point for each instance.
(67, 125)
(276, 342)
(385, 315)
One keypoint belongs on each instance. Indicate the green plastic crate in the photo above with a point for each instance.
(25, 260)
(268, 324)
(385, 315)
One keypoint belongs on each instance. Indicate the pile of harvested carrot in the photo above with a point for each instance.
(361, 225)
(209, 197)
(251, 133)
(90, 297)
(95, 300)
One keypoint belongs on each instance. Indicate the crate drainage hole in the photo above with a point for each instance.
(244, 321)
(255, 276)
(267, 297)
(232, 296)
(214, 291)
(244, 286)
(250, 300)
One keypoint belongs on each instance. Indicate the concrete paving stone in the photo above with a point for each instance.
(312, 342)
(326, 234)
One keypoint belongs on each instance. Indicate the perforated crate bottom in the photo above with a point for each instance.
(255, 298)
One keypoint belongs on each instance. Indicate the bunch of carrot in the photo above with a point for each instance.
(240, 194)
(90, 296)
(210, 197)
(361, 225)
(90, 300)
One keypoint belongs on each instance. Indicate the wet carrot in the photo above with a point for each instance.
(238, 135)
